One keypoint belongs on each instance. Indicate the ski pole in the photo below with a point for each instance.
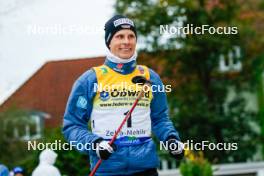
(137, 80)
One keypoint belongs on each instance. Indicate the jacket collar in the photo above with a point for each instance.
(123, 66)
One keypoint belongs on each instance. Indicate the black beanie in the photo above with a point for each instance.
(115, 24)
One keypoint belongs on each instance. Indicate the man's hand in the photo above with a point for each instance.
(176, 148)
(104, 150)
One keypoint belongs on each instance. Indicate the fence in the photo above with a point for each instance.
(236, 169)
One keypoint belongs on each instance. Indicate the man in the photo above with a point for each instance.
(134, 152)
(18, 171)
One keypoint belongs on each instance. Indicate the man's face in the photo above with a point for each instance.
(123, 44)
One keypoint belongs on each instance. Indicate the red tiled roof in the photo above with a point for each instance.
(48, 89)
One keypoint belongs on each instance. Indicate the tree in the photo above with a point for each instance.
(190, 63)
(16, 151)
(195, 165)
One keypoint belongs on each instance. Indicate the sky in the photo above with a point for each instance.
(33, 32)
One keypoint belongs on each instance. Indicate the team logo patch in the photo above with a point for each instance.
(119, 66)
(104, 70)
(81, 102)
(104, 96)
(141, 70)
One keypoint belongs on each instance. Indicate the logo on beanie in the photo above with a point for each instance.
(125, 26)
(123, 21)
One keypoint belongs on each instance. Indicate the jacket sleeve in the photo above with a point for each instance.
(78, 111)
(161, 125)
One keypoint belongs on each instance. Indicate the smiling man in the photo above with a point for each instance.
(134, 152)
(123, 44)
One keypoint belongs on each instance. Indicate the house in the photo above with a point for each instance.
(48, 89)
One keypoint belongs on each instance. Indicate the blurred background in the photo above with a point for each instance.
(217, 80)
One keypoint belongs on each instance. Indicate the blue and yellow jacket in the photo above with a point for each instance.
(105, 109)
